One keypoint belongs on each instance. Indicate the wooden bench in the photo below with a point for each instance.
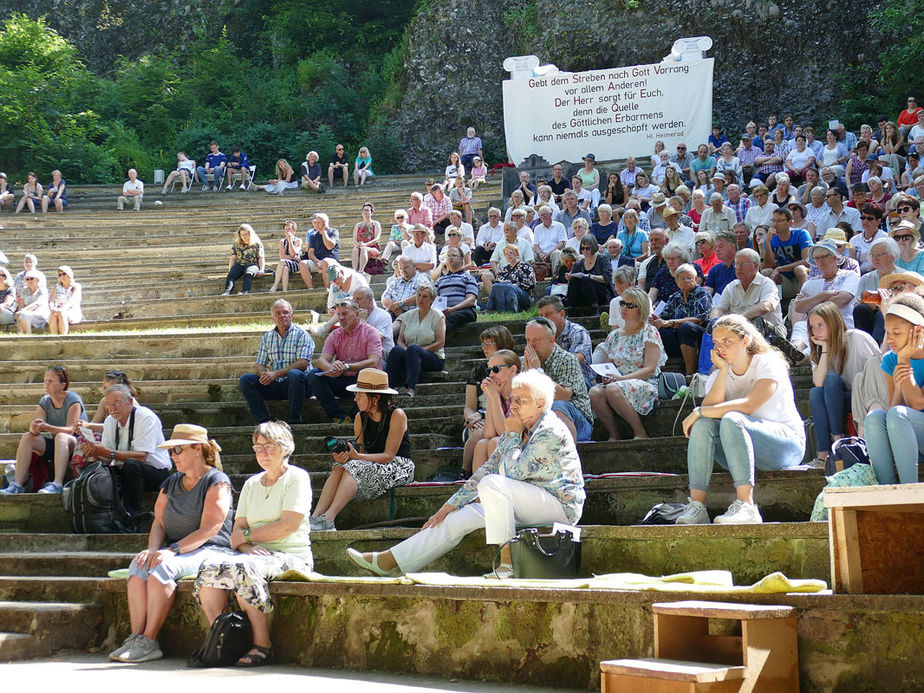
(876, 536)
(691, 657)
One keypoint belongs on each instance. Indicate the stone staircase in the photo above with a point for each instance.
(151, 281)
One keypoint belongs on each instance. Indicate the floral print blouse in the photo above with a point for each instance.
(698, 305)
(627, 351)
(546, 457)
(520, 274)
(248, 254)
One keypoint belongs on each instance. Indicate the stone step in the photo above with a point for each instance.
(547, 636)
(47, 588)
(17, 646)
(799, 549)
(783, 496)
(55, 625)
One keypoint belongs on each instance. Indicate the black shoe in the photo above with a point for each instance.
(790, 351)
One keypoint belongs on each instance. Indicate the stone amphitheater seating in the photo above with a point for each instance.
(151, 283)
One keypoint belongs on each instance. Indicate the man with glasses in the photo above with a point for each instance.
(131, 436)
(549, 238)
(870, 219)
(401, 294)
(883, 252)
(839, 212)
(683, 159)
(752, 296)
(339, 166)
(283, 358)
(572, 404)
(346, 351)
(717, 216)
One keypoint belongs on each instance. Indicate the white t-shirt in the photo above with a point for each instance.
(616, 320)
(262, 505)
(781, 407)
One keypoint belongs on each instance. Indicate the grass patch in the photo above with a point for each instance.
(522, 316)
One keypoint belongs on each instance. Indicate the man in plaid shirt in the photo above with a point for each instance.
(282, 360)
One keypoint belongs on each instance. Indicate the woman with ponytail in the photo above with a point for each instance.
(192, 523)
(748, 419)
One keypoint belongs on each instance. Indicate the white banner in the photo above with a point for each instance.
(613, 113)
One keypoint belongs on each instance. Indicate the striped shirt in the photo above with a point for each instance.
(455, 286)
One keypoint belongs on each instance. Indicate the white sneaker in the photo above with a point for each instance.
(693, 514)
(816, 463)
(243, 187)
(740, 513)
(230, 186)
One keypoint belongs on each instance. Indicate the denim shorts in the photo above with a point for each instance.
(582, 426)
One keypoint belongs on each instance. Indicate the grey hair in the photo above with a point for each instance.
(119, 388)
(545, 209)
(630, 213)
(781, 176)
(417, 196)
(716, 196)
(539, 385)
(890, 245)
(429, 288)
(582, 222)
(324, 218)
(276, 432)
(677, 250)
(30, 256)
(280, 302)
(404, 259)
(624, 274)
(817, 190)
(754, 256)
(493, 210)
(726, 236)
(685, 268)
(605, 208)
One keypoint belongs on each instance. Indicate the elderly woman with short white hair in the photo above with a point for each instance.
(271, 534)
(533, 478)
(663, 286)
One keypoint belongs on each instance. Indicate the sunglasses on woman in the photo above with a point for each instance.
(903, 237)
(497, 369)
(177, 449)
(900, 209)
(626, 304)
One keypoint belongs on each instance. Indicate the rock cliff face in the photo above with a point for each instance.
(452, 77)
(770, 57)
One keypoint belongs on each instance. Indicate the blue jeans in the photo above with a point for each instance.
(328, 390)
(739, 443)
(291, 388)
(828, 404)
(508, 298)
(404, 365)
(219, 175)
(582, 426)
(894, 439)
(248, 272)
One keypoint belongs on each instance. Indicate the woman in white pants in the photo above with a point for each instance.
(534, 477)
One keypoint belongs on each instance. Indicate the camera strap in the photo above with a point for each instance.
(131, 431)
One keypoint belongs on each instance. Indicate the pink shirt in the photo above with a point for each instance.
(364, 341)
(420, 216)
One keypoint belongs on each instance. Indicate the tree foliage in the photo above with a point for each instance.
(277, 78)
(891, 70)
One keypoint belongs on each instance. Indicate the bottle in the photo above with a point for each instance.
(871, 297)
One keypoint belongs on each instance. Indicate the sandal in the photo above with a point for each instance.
(257, 657)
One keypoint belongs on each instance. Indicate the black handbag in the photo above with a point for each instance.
(229, 639)
(545, 556)
(845, 453)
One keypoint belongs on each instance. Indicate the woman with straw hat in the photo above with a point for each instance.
(192, 523)
(385, 462)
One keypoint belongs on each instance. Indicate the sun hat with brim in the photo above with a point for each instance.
(887, 281)
(828, 245)
(796, 203)
(186, 434)
(67, 270)
(838, 236)
(658, 200)
(906, 226)
(372, 381)
(333, 269)
(32, 274)
(669, 212)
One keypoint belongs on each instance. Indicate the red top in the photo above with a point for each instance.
(907, 117)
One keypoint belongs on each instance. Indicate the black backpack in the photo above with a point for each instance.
(229, 639)
(92, 502)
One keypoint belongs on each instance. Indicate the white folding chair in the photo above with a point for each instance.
(240, 176)
(190, 174)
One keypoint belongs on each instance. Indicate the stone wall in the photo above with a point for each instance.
(770, 57)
